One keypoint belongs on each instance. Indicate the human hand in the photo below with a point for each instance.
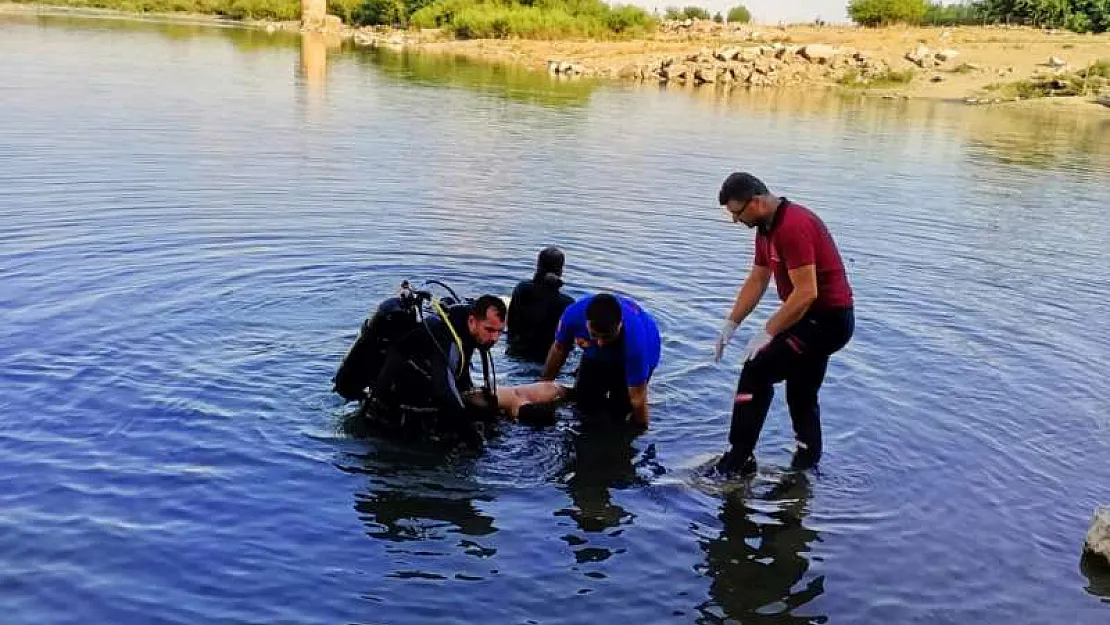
(723, 337)
(758, 341)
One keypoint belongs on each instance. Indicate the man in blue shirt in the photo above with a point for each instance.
(621, 346)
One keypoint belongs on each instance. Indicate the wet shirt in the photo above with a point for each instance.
(534, 312)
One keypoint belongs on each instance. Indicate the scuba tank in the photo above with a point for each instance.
(393, 319)
(360, 367)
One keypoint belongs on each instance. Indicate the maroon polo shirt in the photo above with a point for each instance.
(797, 237)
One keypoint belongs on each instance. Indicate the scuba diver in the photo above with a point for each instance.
(410, 367)
(535, 307)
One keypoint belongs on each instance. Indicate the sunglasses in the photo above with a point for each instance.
(736, 214)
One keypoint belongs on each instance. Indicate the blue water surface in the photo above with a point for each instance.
(196, 220)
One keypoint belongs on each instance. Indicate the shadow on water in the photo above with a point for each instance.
(1097, 572)
(507, 81)
(758, 563)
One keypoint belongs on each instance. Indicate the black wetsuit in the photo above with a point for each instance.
(423, 383)
(534, 313)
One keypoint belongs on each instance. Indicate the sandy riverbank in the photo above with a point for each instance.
(968, 63)
(956, 63)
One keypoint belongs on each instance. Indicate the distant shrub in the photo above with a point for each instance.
(380, 12)
(739, 14)
(690, 12)
(886, 12)
(470, 19)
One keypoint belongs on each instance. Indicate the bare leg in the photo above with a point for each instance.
(511, 398)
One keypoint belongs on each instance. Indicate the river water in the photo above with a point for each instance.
(195, 221)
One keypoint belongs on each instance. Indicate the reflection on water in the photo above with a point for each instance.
(421, 495)
(759, 561)
(505, 80)
(312, 70)
(178, 28)
(599, 460)
(1041, 136)
(1035, 134)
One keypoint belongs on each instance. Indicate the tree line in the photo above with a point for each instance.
(1077, 15)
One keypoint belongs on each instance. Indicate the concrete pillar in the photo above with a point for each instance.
(313, 12)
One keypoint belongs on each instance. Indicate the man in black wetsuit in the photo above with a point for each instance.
(536, 306)
(424, 385)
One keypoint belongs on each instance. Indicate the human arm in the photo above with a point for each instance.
(637, 396)
(451, 391)
(799, 253)
(556, 358)
(560, 347)
(750, 293)
(801, 299)
(746, 300)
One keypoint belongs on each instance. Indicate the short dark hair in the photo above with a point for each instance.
(484, 303)
(604, 313)
(741, 186)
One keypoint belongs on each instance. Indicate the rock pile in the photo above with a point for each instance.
(698, 26)
(375, 37)
(564, 68)
(760, 66)
(1098, 536)
(925, 58)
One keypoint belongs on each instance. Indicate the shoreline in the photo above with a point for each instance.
(973, 65)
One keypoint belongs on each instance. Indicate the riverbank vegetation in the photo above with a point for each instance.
(1076, 15)
(275, 10)
(1085, 82)
(464, 19)
(543, 19)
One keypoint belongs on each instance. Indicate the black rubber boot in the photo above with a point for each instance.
(805, 458)
(732, 466)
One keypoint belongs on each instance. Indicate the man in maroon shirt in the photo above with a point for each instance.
(815, 320)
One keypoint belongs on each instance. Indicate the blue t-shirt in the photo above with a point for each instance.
(640, 343)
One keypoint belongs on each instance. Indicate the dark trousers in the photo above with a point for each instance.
(600, 388)
(799, 356)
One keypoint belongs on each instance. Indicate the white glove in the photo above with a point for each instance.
(758, 341)
(723, 337)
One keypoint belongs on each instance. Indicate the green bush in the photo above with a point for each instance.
(629, 19)
(380, 12)
(887, 79)
(546, 19)
(1076, 15)
(344, 9)
(960, 14)
(886, 12)
(690, 12)
(739, 14)
(697, 13)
